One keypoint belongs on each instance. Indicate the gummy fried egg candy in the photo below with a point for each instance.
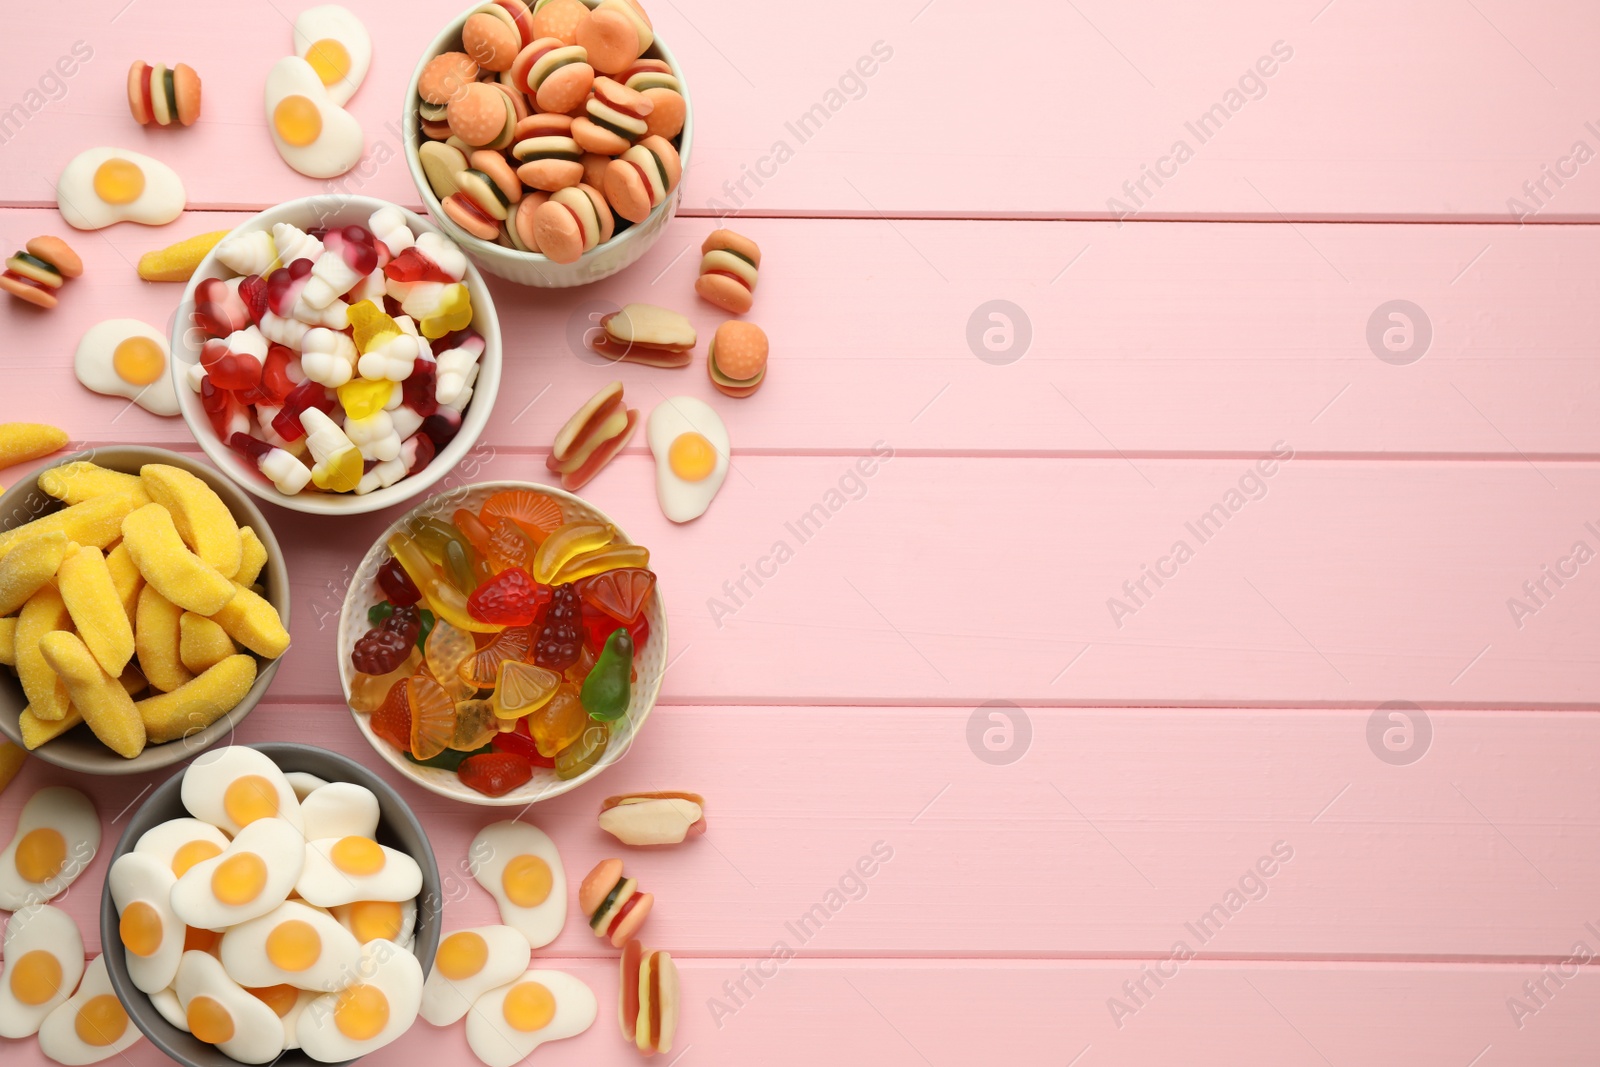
(251, 877)
(90, 1027)
(469, 964)
(368, 1014)
(519, 865)
(106, 185)
(182, 843)
(295, 945)
(150, 931)
(507, 1024)
(691, 448)
(57, 835)
(220, 1012)
(337, 46)
(379, 920)
(234, 786)
(313, 134)
(43, 962)
(340, 809)
(347, 869)
(124, 357)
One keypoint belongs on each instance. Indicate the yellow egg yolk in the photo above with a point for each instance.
(118, 181)
(293, 945)
(526, 881)
(209, 1020)
(361, 1012)
(372, 920)
(239, 879)
(330, 59)
(41, 855)
(101, 1021)
(280, 998)
(250, 797)
(359, 856)
(462, 955)
(297, 120)
(138, 361)
(529, 1007)
(691, 457)
(140, 929)
(35, 978)
(192, 853)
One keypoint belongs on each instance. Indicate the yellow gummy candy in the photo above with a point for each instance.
(96, 609)
(22, 441)
(11, 759)
(36, 731)
(44, 612)
(98, 696)
(202, 644)
(202, 519)
(96, 522)
(80, 480)
(32, 563)
(8, 642)
(369, 325)
(340, 473)
(200, 703)
(253, 622)
(155, 638)
(167, 564)
(453, 313)
(126, 578)
(177, 263)
(363, 398)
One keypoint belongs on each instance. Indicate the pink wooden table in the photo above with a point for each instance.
(1087, 754)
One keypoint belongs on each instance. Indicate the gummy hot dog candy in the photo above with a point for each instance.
(608, 689)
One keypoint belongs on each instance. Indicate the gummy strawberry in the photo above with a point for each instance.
(412, 266)
(284, 286)
(218, 309)
(518, 743)
(418, 388)
(509, 599)
(392, 719)
(560, 640)
(495, 774)
(396, 584)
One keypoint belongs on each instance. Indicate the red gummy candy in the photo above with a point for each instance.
(308, 394)
(392, 720)
(412, 266)
(380, 651)
(418, 389)
(253, 291)
(560, 640)
(494, 774)
(358, 247)
(519, 743)
(226, 411)
(230, 369)
(442, 426)
(597, 626)
(397, 586)
(252, 448)
(284, 286)
(510, 599)
(425, 451)
(620, 593)
(218, 310)
(275, 383)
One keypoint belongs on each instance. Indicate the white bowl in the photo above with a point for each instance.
(308, 213)
(650, 662)
(531, 268)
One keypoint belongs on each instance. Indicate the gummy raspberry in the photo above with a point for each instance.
(392, 720)
(380, 650)
(494, 774)
(511, 598)
(407, 620)
(396, 584)
(560, 641)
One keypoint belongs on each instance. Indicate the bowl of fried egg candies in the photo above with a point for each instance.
(273, 903)
(336, 354)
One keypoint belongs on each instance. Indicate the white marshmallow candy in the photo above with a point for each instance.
(388, 225)
(248, 253)
(294, 243)
(328, 357)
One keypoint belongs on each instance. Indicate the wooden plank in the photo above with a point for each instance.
(884, 832)
(1138, 340)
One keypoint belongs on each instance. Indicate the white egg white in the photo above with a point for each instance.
(59, 1036)
(206, 782)
(70, 814)
(93, 364)
(338, 146)
(245, 956)
(140, 878)
(330, 22)
(161, 200)
(340, 809)
(498, 1043)
(498, 845)
(446, 999)
(39, 928)
(257, 1030)
(302, 783)
(325, 885)
(165, 1001)
(165, 841)
(385, 967)
(675, 416)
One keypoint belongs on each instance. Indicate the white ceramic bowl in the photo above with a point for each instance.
(531, 268)
(331, 211)
(649, 662)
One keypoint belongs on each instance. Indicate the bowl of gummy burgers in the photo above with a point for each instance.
(550, 139)
(336, 355)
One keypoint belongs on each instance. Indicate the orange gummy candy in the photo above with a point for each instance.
(509, 545)
(560, 722)
(433, 716)
(482, 669)
(535, 513)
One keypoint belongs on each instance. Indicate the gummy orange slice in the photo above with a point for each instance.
(522, 688)
(476, 725)
(509, 545)
(534, 512)
(445, 648)
(482, 668)
(433, 716)
(621, 593)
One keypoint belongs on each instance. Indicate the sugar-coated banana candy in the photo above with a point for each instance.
(202, 643)
(177, 262)
(127, 579)
(253, 622)
(97, 522)
(156, 640)
(8, 641)
(202, 519)
(36, 731)
(80, 480)
(44, 612)
(198, 703)
(26, 568)
(252, 557)
(98, 696)
(167, 564)
(22, 441)
(96, 609)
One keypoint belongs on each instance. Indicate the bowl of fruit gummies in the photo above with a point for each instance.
(502, 643)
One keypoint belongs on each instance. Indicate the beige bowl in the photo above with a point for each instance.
(78, 749)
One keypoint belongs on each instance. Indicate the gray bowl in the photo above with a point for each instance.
(78, 749)
(398, 827)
